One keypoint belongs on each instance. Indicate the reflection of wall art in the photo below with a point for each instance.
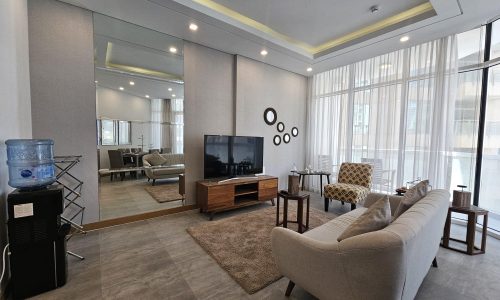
(277, 140)
(286, 138)
(270, 116)
(295, 131)
(280, 127)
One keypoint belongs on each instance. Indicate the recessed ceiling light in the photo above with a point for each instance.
(263, 52)
(385, 66)
(132, 83)
(147, 96)
(309, 69)
(193, 27)
(121, 88)
(173, 95)
(173, 49)
(169, 89)
(404, 39)
(96, 81)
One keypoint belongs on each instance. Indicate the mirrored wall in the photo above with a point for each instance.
(139, 116)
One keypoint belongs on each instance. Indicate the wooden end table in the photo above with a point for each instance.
(300, 210)
(472, 213)
(303, 174)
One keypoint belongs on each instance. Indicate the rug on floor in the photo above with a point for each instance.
(164, 192)
(241, 244)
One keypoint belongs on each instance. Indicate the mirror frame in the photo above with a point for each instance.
(277, 140)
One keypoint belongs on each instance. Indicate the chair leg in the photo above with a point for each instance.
(154, 180)
(149, 179)
(326, 204)
(289, 288)
(342, 202)
(435, 263)
(353, 206)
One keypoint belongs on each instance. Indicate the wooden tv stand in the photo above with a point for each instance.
(215, 196)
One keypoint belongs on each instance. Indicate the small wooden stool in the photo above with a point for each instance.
(300, 210)
(472, 213)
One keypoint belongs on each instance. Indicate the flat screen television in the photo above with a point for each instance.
(233, 156)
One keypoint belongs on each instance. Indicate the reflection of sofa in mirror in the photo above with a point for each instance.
(171, 166)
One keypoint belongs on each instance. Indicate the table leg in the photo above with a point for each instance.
(485, 233)
(303, 181)
(277, 210)
(285, 212)
(471, 233)
(307, 212)
(321, 185)
(446, 231)
(328, 179)
(300, 213)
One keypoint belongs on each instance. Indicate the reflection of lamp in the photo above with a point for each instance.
(142, 141)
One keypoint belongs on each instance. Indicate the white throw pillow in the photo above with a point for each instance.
(376, 217)
(156, 159)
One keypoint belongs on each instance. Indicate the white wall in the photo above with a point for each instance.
(112, 104)
(63, 89)
(259, 86)
(15, 112)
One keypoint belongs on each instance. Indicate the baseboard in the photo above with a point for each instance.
(138, 217)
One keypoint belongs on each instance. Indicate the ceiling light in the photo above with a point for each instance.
(169, 89)
(147, 96)
(121, 88)
(193, 27)
(132, 83)
(309, 69)
(263, 52)
(385, 66)
(404, 39)
(173, 49)
(173, 95)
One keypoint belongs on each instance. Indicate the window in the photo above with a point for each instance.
(114, 132)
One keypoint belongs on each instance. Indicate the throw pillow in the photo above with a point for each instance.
(156, 159)
(412, 195)
(376, 217)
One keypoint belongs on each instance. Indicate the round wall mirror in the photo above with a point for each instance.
(280, 127)
(277, 140)
(286, 138)
(295, 131)
(270, 116)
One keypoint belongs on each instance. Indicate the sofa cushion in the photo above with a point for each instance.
(376, 217)
(412, 195)
(156, 159)
(168, 170)
(346, 192)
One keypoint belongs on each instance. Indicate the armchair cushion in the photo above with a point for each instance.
(412, 195)
(346, 192)
(377, 217)
(156, 159)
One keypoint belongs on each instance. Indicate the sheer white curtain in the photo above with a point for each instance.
(167, 124)
(396, 109)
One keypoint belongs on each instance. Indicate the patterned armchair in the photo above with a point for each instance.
(353, 184)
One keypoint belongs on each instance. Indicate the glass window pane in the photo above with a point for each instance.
(108, 132)
(470, 46)
(495, 40)
(124, 132)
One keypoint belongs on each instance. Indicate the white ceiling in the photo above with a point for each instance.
(289, 18)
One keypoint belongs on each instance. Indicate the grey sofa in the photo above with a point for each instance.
(386, 264)
(170, 169)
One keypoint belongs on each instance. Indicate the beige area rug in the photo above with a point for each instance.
(242, 244)
(164, 192)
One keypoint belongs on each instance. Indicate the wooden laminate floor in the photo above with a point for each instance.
(157, 259)
(128, 197)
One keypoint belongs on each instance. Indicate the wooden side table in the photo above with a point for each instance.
(472, 213)
(303, 174)
(300, 210)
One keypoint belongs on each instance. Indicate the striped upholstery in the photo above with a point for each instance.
(354, 183)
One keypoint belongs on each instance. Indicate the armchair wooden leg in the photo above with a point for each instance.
(353, 206)
(342, 202)
(154, 180)
(289, 289)
(326, 204)
(435, 263)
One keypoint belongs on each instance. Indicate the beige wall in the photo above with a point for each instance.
(62, 88)
(15, 112)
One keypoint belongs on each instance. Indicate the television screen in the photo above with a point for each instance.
(233, 156)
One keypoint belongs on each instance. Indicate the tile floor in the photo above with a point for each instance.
(157, 259)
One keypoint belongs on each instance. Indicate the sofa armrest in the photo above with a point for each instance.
(374, 197)
(309, 263)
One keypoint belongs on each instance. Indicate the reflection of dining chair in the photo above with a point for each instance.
(135, 150)
(116, 162)
(124, 150)
(353, 184)
(383, 179)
